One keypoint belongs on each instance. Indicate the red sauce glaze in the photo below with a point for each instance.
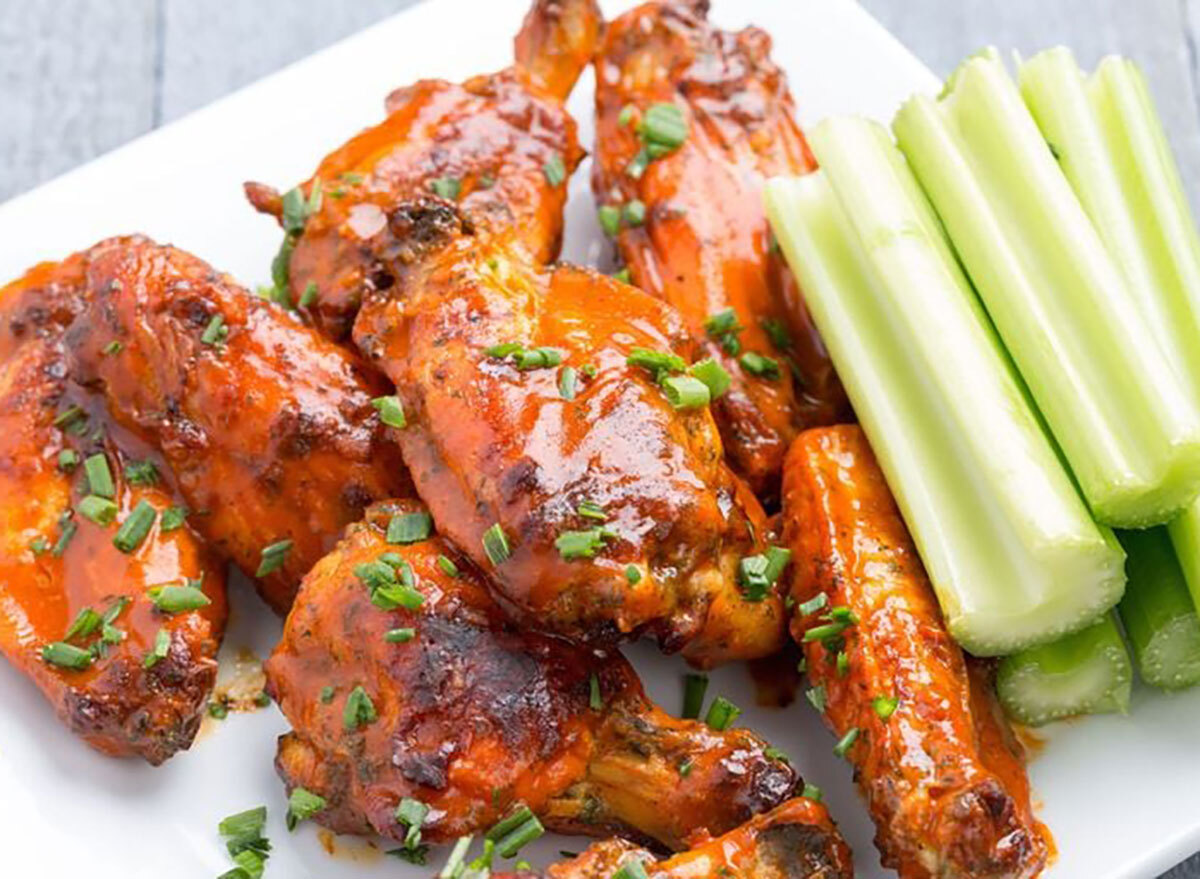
(943, 775)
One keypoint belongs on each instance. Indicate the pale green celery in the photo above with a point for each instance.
(1158, 613)
(1110, 144)
(1128, 429)
(1011, 549)
(1088, 672)
(1185, 537)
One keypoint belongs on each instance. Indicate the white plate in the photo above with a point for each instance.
(1119, 793)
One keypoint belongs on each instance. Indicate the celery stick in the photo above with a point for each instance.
(1111, 146)
(1128, 429)
(1184, 532)
(1011, 549)
(1085, 673)
(1158, 613)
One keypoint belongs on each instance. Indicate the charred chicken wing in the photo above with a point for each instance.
(108, 601)
(402, 679)
(941, 772)
(796, 840)
(267, 426)
(501, 146)
(690, 120)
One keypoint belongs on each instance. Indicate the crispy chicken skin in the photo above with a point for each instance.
(487, 144)
(704, 246)
(473, 715)
(795, 840)
(268, 427)
(490, 444)
(943, 775)
(54, 563)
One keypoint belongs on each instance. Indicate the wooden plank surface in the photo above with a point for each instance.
(80, 77)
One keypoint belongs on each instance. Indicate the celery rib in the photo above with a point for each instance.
(1088, 672)
(1068, 317)
(1012, 551)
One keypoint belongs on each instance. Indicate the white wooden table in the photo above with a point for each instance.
(80, 77)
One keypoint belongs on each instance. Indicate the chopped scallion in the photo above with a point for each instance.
(391, 412)
(99, 477)
(136, 527)
(495, 544)
(407, 528)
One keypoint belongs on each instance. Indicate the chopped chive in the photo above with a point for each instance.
(359, 710)
(595, 700)
(812, 792)
(591, 510)
(721, 714)
(136, 527)
(68, 416)
(685, 391)
(777, 333)
(843, 663)
(66, 656)
(633, 574)
(411, 813)
(309, 296)
(626, 114)
(664, 125)
(115, 609)
(638, 164)
(394, 595)
(634, 213)
(273, 557)
(391, 412)
(631, 869)
(69, 527)
(554, 170)
(694, 688)
(216, 331)
(448, 567)
(885, 706)
(511, 833)
(172, 518)
(495, 544)
(814, 604)
(773, 753)
(714, 376)
(294, 210)
(454, 862)
(244, 839)
(623, 276)
(141, 473)
(759, 365)
(685, 767)
(752, 577)
(846, 742)
(537, 358)
(100, 510)
(816, 697)
(302, 805)
(502, 350)
(407, 528)
(824, 632)
(400, 636)
(162, 646)
(99, 476)
(566, 383)
(581, 544)
(843, 615)
(68, 460)
(39, 545)
(610, 219)
(447, 187)
(657, 362)
(85, 623)
(176, 598)
(326, 695)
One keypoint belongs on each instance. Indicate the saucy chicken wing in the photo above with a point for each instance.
(402, 679)
(501, 146)
(795, 840)
(940, 769)
(112, 607)
(690, 121)
(267, 426)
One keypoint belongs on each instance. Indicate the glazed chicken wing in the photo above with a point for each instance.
(698, 238)
(941, 772)
(795, 840)
(267, 426)
(402, 679)
(78, 575)
(501, 146)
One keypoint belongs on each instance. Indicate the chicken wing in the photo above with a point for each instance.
(267, 426)
(942, 774)
(401, 678)
(795, 840)
(694, 232)
(128, 671)
(501, 146)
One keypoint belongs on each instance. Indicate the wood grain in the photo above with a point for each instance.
(80, 77)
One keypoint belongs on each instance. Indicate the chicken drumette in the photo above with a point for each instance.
(690, 120)
(100, 588)
(267, 426)
(540, 428)
(403, 679)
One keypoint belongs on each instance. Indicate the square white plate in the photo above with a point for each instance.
(1120, 794)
